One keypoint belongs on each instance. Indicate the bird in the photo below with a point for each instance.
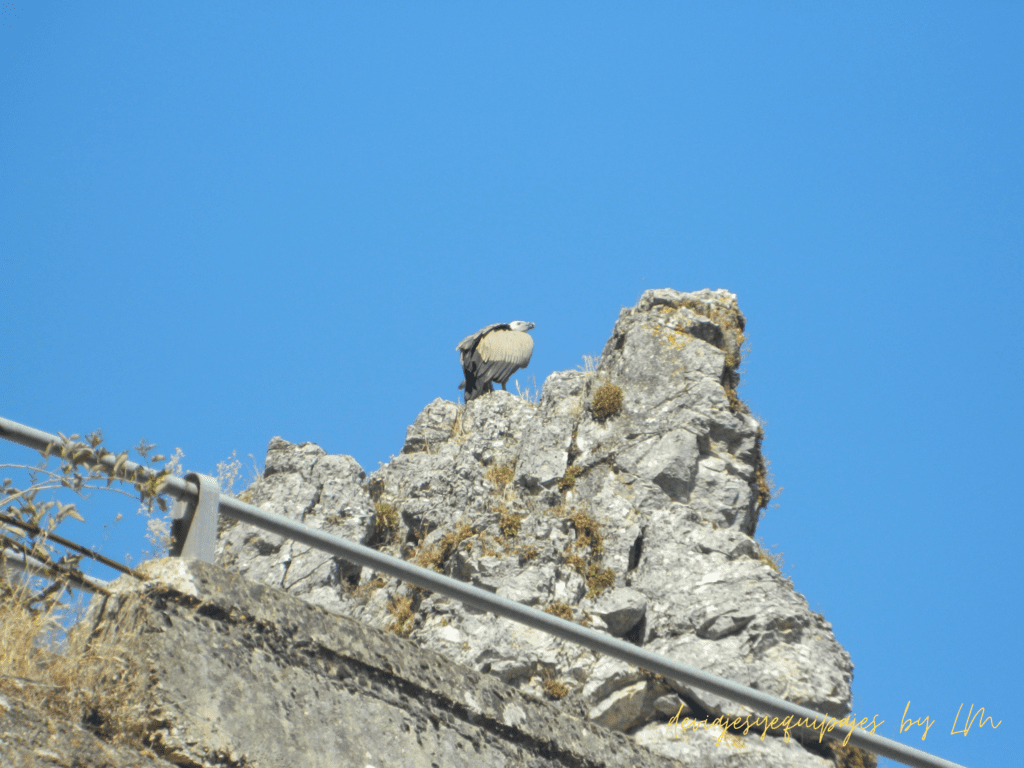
(493, 354)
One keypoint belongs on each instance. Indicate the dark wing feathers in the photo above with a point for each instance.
(496, 371)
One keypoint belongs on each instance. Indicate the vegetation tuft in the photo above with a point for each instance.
(228, 472)
(559, 609)
(588, 533)
(607, 401)
(400, 606)
(767, 491)
(526, 554)
(850, 756)
(385, 522)
(771, 559)
(434, 556)
(553, 687)
(368, 588)
(500, 475)
(585, 553)
(510, 523)
(529, 393)
(568, 481)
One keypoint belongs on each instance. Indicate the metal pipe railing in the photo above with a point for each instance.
(532, 617)
(19, 560)
(38, 440)
(35, 530)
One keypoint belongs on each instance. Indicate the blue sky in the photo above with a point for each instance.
(223, 222)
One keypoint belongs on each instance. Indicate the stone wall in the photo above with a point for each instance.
(245, 675)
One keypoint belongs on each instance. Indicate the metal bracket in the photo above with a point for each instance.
(194, 522)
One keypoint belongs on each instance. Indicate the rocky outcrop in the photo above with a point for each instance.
(626, 498)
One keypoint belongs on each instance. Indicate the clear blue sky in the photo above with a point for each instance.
(224, 222)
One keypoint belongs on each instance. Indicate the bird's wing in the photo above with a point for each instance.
(502, 353)
(498, 371)
(473, 339)
(507, 346)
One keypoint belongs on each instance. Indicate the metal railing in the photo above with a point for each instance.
(16, 556)
(20, 561)
(199, 501)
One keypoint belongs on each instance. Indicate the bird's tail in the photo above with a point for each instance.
(475, 386)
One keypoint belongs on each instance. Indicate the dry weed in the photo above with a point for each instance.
(58, 671)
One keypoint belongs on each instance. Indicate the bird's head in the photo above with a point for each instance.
(520, 325)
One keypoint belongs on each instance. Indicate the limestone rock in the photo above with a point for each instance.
(708, 748)
(618, 611)
(638, 522)
(304, 483)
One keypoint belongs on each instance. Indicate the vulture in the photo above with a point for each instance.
(493, 354)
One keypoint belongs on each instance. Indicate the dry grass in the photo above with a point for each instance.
(851, 756)
(530, 393)
(509, 523)
(459, 432)
(568, 481)
(553, 687)
(386, 522)
(400, 606)
(560, 609)
(588, 564)
(434, 556)
(527, 553)
(366, 589)
(61, 673)
(767, 491)
(501, 475)
(598, 579)
(772, 559)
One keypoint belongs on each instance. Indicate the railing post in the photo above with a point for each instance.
(194, 526)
